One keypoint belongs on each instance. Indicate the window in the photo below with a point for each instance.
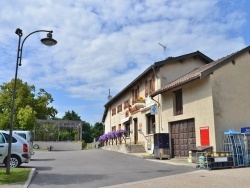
(1, 139)
(178, 106)
(119, 108)
(126, 104)
(146, 88)
(135, 94)
(113, 111)
(113, 128)
(149, 86)
(127, 128)
(150, 124)
(119, 127)
(7, 138)
(152, 85)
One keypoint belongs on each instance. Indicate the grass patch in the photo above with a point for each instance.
(16, 175)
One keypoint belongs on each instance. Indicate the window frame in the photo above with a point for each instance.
(178, 102)
(119, 108)
(113, 111)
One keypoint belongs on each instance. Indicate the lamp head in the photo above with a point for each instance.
(49, 41)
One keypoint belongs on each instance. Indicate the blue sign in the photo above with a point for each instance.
(245, 130)
(153, 110)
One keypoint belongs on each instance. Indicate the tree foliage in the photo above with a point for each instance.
(86, 133)
(71, 116)
(28, 105)
(91, 132)
(26, 118)
(97, 130)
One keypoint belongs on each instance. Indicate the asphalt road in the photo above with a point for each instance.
(95, 168)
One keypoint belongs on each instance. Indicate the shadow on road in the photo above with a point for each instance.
(42, 159)
(66, 179)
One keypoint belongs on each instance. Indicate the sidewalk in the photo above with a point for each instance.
(202, 178)
(224, 178)
(173, 161)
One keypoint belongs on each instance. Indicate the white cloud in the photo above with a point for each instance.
(106, 44)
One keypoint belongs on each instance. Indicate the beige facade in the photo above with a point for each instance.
(197, 104)
(138, 117)
(215, 97)
(231, 91)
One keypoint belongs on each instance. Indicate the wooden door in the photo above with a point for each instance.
(182, 137)
(136, 131)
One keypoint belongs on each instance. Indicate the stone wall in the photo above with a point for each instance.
(59, 146)
(118, 148)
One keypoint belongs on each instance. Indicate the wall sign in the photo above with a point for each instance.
(204, 136)
(245, 130)
(149, 143)
(153, 110)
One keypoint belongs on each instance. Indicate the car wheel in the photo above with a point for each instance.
(14, 162)
(36, 146)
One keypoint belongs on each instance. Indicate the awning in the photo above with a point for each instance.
(125, 120)
(147, 107)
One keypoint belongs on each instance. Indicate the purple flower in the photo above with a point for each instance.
(119, 133)
(112, 135)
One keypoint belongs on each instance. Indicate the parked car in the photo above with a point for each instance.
(27, 135)
(20, 152)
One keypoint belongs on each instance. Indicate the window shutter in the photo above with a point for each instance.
(146, 88)
(153, 85)
(150, 87)
(178, 102)
(133, 97)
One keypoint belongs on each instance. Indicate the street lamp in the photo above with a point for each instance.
(49, 41)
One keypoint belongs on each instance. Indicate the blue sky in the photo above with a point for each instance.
(105, 44)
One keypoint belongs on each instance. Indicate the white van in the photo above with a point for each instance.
(27, 135)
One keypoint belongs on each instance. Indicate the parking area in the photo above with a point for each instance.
(95, 168)
(101, 168)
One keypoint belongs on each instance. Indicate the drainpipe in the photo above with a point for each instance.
(110, 118)
(159, 105)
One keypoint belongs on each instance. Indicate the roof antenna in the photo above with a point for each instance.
(164, 47)
(109, 96)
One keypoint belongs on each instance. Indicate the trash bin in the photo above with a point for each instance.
(161, 146)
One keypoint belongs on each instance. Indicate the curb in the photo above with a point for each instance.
(31, 176)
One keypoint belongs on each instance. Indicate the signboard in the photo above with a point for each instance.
(204, 136)
(245, 130)
(140, 125)
(153, 110)
(149, 143)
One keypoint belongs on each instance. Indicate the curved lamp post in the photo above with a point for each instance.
(49, 41)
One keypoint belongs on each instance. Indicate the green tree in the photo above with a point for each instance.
(86, 132)
(26, 118)
(71, 116)
(42, 100)
(97, 131)
(27, 102)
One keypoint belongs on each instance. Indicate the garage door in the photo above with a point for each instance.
(182, 137)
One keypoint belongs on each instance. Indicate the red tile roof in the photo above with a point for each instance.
(200, 72)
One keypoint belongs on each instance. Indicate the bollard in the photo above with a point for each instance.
(190, 155)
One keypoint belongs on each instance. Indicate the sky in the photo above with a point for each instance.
(106, 44)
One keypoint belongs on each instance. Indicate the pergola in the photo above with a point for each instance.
(75, 125)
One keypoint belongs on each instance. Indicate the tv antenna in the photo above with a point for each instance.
(164, 47)
(109, 96)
